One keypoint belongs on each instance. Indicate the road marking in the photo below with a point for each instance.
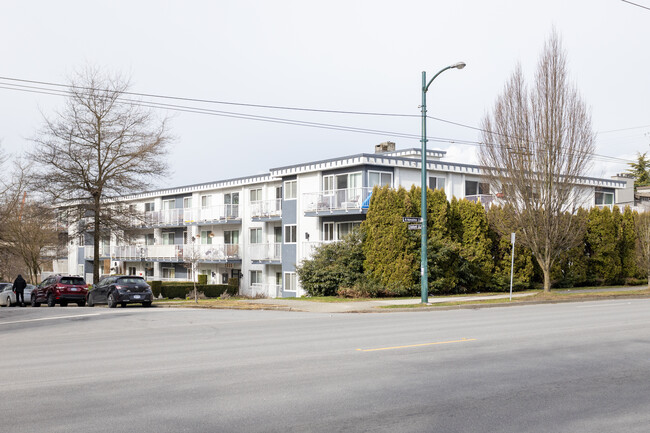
(417, 345)
(50, 318)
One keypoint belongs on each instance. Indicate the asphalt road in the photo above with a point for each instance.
(576, 367)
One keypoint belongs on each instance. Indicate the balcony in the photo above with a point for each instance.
(218, 253)
(266, 210)
(485, 199)
(270, 290)
(227, 213)
(266, 254)
(337, 202)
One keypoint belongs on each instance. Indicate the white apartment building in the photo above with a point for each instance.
(258, 228)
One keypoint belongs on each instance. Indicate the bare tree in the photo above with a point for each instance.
(537, 145)
(100, 146)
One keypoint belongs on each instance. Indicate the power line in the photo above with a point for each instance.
(635, 4)
(228, 114)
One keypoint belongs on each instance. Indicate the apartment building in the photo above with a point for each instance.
(258, 228)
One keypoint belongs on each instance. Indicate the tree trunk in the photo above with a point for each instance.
(96, 238)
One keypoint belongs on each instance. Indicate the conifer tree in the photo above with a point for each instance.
(604, 260)
(627, 244)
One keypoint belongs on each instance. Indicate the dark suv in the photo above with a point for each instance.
(120, 289)
(60, 289)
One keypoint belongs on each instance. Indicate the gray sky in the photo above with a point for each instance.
(335, 55)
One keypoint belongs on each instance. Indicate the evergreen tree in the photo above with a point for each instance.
(640, 170)
(604, 260)
(627, 245)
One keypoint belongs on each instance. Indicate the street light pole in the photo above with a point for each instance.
(424, 273)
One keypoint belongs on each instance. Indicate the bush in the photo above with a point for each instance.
(175, 291)
(202, 280)
(364, 288)
(234, 282)
(155, 288)
(216, 290)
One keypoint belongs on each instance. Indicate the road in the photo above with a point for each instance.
(575, 367)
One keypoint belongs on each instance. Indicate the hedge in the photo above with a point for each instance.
(181, 289)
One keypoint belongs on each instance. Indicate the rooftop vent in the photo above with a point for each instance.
(387, 146)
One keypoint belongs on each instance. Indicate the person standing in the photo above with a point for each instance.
(19, 289)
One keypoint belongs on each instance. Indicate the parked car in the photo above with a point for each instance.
(8, 297)
(121, 289)
(60, 289)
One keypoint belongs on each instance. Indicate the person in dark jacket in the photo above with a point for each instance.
(19, 289)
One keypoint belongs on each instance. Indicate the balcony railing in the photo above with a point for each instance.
(186, 216)
(346, 200)
(181, 253)
(269, 251)
(272, 290)
(485, 199)
(266, 208)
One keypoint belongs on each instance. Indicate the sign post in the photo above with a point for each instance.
(512, 264)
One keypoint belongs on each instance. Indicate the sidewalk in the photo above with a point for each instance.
(369, 306)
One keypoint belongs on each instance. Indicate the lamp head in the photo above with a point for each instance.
(459, 65)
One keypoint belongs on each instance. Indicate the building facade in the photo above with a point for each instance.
(258, 228)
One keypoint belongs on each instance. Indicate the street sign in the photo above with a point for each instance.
(411, 219)
(415, 226)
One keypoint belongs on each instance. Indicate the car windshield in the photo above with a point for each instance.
(72, 280)
(130, 280)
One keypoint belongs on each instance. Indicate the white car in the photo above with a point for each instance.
(8, 297)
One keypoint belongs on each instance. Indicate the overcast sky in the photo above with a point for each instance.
(365, 56)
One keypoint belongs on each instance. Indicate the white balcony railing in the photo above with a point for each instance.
(485, 199)
(270, 290)
(266, 208)
(175, 217)
(204, 252)
(348, 200)
(267, 251)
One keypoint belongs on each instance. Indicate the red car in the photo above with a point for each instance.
(60, 289)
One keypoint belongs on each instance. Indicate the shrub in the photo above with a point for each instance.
(216, 290)
(176, 291)
(364, 288)
(155, 288)
(202, 280)
(234, 282)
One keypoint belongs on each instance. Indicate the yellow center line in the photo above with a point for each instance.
(417, 345)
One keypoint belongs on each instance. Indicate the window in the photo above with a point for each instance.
(473, 187)
(290, 234)
(328, 184)
(291, 190)
(169, 204)
(231, 203)
(256, 277)
(168, 238)
(436, 182)
(256, 236)
(187, 202)
(149, 207)
(379, 178)
(290, 282)
(231, 237)
(168, 273)
(206, 237)
(206, 201)
(604, 196)
(149, 239)
(328, 231)
(344, 229)
(131, 270)
(256, 194)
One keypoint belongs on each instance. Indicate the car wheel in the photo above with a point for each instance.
(50, 300)
(146, 304)
(111, 301)
(8, 302)
(90, 301)
(34, 303)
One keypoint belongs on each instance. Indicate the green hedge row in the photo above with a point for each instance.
(181, 289)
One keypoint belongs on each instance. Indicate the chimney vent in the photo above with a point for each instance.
(387, 146)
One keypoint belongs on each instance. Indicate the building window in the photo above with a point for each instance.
(473, 187)
(290, 234)
(291, 190)
(206, 237)
(169, 204)
(131, 270)
(344, 229)
(256, 195)
(206, 201)
(437, 183)
(168, 238)
(604, 196)
(328, 231)
(290, 282)
(328, 184)
(231, 203)
(168, 273)
(256, 277)
(231, 237)
(187, 202)
(149, 207)
(256, 236)
(149, 239)
(379, 178)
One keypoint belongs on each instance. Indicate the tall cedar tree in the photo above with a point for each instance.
(640, 170)
(538, 145)
(601, 239)
(642, 229)
(626, 244)
(100, 146)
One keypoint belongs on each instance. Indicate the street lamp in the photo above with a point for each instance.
(424, 274)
